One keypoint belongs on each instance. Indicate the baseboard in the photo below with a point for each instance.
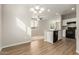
(15, 44)
(77, 51)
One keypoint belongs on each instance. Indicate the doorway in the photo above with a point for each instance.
(37, 31)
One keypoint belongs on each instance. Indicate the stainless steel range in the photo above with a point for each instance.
(70, 32)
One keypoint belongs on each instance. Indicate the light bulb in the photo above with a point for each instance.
(48, 10)
(42, 9)
(37, 7)
(35, 11)
(73, 8)
(38, 19)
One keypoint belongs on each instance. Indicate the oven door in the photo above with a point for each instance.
(70, 34)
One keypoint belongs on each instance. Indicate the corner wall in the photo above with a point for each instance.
(15, 25)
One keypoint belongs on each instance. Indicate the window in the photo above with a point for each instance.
(34, 24)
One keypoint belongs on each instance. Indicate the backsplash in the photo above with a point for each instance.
(55, 25)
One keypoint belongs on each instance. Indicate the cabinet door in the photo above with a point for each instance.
(50, 37)
(64, 32)
(55, 36)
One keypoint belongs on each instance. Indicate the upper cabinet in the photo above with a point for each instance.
(64, 22)
(69, 17)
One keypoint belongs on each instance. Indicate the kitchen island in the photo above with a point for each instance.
(52, 36)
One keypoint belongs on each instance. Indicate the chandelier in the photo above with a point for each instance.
(37, 11)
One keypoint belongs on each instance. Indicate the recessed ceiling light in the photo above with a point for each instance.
(37, 7)
(42, 9)
(73, 8)
(48, 10)
(32, 9)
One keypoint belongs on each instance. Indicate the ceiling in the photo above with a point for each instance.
(54, 8)
(59, 8)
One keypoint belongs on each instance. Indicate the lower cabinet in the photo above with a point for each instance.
(55, 36)
(51, 36)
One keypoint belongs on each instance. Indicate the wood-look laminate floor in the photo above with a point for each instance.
(40, 47)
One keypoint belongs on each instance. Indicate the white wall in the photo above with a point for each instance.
(39, 31)
(77, 31)
(42, 27)
(15, 25)
(0, 27)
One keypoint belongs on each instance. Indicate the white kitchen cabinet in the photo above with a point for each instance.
(48, 36)
(64, 33)
(59, 34)
(52, 36)
(68, 20)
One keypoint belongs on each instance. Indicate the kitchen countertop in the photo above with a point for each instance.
(53, 30)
